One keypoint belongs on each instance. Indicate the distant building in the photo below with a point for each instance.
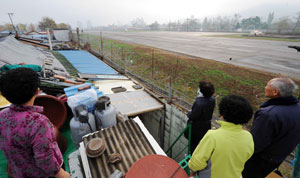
(39, 35)
(63, 35)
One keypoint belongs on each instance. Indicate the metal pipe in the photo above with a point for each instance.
(162, 128)
(12, 23)
(49, 40)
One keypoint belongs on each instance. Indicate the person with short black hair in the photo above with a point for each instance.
(201, 114)
(235, 109)
(18, 86)
(27, 137)
(206, 88)
(224, 151)
(275, 128)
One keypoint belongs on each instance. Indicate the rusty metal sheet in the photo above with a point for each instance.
(125, 138)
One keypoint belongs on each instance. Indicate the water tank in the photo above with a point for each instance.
(81, 124)
(105, 112)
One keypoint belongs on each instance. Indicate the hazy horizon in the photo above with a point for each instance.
(102, 13)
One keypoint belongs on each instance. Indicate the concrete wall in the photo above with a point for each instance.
(175, 122)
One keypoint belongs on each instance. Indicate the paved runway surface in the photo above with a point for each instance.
(266, 55)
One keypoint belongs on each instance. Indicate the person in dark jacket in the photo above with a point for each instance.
(275, 128)
(201, 114)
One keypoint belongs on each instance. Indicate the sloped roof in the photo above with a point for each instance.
(125, 138)
(86, 63)
(13, 51)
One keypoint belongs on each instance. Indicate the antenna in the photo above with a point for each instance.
(9, 15)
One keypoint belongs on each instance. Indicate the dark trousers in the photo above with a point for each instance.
(199, 129)
(257, 167)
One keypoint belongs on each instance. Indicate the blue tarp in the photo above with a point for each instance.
(70, 91)
(86, 63)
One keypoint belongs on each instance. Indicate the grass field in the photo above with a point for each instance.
(186, 71)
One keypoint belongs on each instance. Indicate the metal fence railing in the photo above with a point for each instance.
(118, 58)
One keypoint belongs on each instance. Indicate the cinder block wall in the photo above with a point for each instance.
(151, 120)
(175, 122)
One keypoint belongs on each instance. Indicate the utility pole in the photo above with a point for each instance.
(9, 15)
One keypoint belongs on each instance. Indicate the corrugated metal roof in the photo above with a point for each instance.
(13, 51)
(86, 63)
(125, 138)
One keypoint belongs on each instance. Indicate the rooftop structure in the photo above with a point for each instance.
(155, 126)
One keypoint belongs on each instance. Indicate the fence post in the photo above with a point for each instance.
(122, 59)
(78, 42)
(111, 54)
(125, 63)
(152, 64)
(101, 43)
(170, 90)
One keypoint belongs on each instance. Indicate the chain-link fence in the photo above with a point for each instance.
(144, 65)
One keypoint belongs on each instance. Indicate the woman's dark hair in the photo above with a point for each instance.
(206, 88)
(19, 85)
(235, 109)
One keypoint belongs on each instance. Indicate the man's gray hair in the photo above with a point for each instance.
(285, 86)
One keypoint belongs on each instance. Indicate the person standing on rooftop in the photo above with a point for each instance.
(201, 114)
(27, 137)
(223, 152)
(275, 128)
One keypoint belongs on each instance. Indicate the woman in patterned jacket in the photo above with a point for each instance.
(27, 137)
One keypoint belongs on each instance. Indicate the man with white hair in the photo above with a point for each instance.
(275, 128)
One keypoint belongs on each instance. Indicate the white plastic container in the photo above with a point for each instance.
(81, 124)
(105, 112)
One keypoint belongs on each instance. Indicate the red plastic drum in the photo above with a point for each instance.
(56, 112)
(54, 109)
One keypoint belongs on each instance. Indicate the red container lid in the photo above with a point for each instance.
(157, 166)
(54, 109)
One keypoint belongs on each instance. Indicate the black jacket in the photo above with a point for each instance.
(200, 117)
(276, 128)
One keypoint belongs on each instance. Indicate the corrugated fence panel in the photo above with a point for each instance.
(125, 138)
(86, 63)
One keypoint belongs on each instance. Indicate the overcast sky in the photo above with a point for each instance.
(105, 12)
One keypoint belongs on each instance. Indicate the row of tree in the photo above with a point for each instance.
(215, 24)
(223, 24)
(44, 24)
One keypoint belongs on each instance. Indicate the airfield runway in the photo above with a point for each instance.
(266, 55)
